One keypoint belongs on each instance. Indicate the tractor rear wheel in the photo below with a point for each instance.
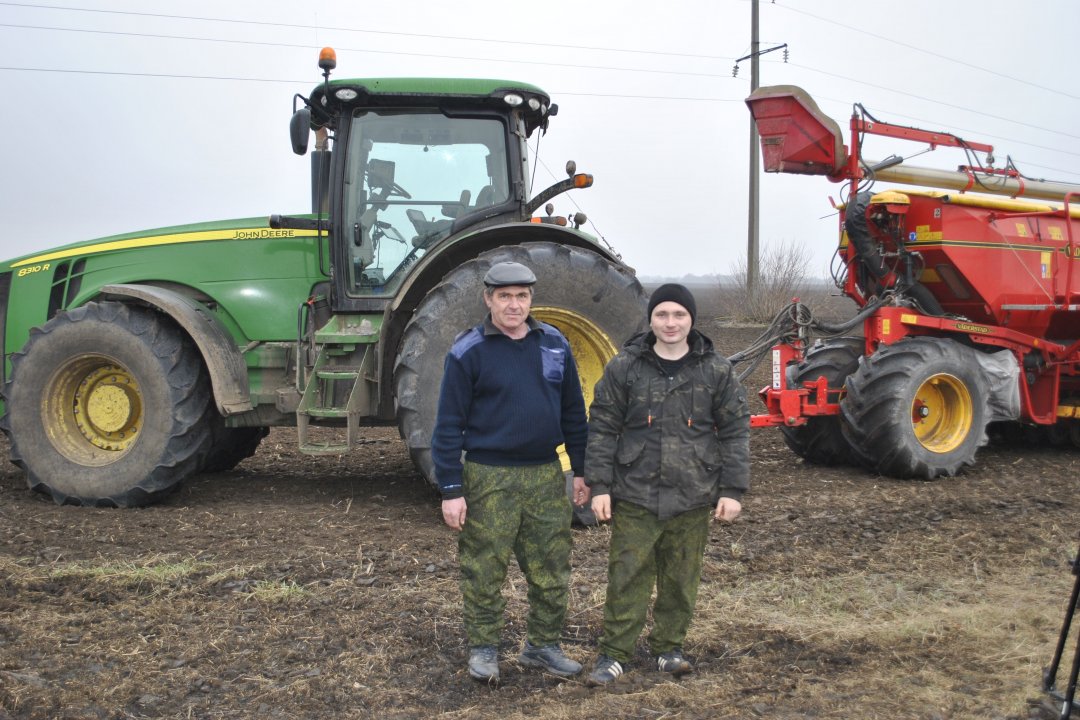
(821, 441)
(917, 408)
(108, 405)
(596, 304)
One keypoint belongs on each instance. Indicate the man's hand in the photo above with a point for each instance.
(601, 507)
(581, 491)
(727, 509)
(453, 512)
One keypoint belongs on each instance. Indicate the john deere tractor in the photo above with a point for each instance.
(132, 362)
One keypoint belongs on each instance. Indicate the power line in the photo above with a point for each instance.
(514, 42)
(864, 31)
(158, 36)
(938, 102)
(548, 63)
(128, 73)
(311, 81)
(161, 36)
(1026, 164)
(646, 97)
(299, 26)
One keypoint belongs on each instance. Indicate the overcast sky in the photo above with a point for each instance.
(126, 114)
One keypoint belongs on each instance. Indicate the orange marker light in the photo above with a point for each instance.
(327, 58)
(582, 180)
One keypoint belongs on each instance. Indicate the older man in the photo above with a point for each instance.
(510, 396)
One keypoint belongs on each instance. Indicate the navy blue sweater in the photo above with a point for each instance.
(507, 402)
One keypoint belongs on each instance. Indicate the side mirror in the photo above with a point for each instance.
(300, 130)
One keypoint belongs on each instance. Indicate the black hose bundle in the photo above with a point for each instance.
(795, 320)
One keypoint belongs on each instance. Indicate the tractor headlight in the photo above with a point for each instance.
(513, 99)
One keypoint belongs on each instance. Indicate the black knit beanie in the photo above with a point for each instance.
(675, 293)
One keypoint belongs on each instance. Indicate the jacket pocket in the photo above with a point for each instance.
(707, 451)
(629, 450)
(554, 360)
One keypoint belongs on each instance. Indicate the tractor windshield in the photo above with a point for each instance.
(410, 174)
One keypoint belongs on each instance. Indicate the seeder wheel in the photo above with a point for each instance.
(917, 408)
(820, 440)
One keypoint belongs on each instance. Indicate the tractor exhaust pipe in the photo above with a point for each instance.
(320, 173)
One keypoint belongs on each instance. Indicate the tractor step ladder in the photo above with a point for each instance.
(342, 369)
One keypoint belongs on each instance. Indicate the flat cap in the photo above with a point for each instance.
(509, 273)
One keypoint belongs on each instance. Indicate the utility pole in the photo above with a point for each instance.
(752, 271)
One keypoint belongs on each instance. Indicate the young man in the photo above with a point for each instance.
(669, 443)
(510, 396)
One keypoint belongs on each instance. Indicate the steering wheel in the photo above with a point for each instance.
(397, 190)
(392, 190)
(384, 181)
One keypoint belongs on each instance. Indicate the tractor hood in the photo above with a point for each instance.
(238, 229)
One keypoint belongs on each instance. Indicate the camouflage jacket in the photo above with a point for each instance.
(669, 444)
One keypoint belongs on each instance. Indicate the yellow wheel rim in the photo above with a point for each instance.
(942, 413)
(93, 410)
(591, 346)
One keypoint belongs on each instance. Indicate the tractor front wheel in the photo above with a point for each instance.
(108, 405)
(917, 408)
(821, 441)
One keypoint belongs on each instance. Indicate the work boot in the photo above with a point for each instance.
(673, 662)
(550, 658)
(605, 671)
(484, 663)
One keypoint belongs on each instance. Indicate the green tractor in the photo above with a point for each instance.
(134, 361)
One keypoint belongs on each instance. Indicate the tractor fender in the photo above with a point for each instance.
(228, 371)
(448, 255)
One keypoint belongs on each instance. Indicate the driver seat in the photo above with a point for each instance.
(486, 197)
(427, 230)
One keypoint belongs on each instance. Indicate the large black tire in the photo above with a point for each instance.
(108, 405)
(821, 440)
(917, 408)
(597, 304)
(230, 446)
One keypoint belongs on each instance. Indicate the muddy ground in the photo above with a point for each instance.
(299, 587)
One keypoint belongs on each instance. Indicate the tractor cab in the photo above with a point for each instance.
(409, 175)
(403, 164)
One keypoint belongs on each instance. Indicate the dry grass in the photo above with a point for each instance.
(314, 588)
(880, 644)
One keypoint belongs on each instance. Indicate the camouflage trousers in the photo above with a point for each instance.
(523, 510)
(646, 550)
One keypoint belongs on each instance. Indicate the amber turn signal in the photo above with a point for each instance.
(582, 180)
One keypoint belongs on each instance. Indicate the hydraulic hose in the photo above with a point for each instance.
(794, 321)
